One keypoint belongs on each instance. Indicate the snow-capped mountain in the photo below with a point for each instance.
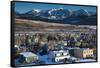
(59, 13)
(82, 12)
(51, 13)
(62, 16)
(34, 12)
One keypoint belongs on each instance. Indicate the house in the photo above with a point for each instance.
(36, 39)
(59, 55)
(28, 57)
(83, 52)
(21, 48)
(65, 42)
(19, 39)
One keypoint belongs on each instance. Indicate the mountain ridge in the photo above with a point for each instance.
(63, 16)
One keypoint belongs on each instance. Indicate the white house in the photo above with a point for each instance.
(59, 55)
(64, 43)
(36, 39)
(29, 56)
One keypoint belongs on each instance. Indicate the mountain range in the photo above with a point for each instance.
(60, 15)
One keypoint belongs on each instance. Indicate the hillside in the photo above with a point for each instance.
(32, 25)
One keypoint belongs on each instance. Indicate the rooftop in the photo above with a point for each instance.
(28, 54)
(84, 48)
(59, 51)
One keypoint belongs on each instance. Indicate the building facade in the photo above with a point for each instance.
(58, 56)
(29, 57)
(83, 52)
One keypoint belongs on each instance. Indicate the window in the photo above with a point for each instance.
(55, 54)
(91, 55)
(58, 54)
(64, 54)
(91, 51)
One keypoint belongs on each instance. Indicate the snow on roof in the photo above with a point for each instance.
(28, 54)
(60, 51)
(83, 48)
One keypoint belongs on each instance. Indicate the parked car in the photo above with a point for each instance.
(73, 59)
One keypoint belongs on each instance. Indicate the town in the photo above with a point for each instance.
(54, 48)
